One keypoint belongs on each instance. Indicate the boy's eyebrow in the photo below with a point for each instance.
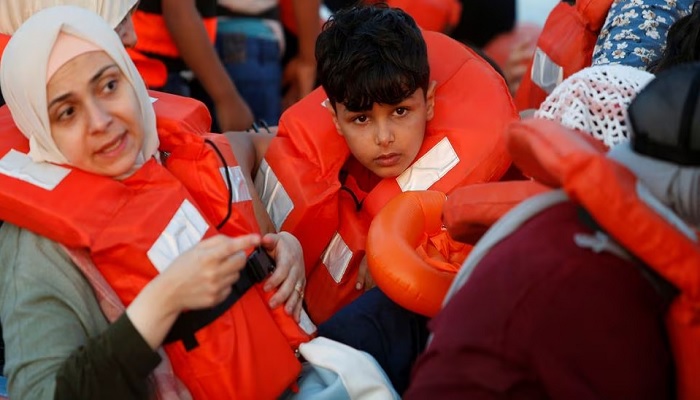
(94, 79)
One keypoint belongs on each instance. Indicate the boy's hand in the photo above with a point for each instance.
(289, 276)
(364, 278)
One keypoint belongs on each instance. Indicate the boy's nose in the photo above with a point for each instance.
(384, 134)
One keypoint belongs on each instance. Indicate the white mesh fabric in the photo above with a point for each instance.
(595, 100)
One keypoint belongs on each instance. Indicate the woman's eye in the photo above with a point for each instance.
(110, 86)
(65, 113)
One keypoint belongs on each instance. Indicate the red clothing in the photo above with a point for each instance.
(541, 318)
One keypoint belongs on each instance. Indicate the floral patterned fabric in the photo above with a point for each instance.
(635, 31)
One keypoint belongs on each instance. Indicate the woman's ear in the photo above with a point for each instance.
(430, 101)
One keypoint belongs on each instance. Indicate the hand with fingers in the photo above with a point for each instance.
(364, 277)
(203, 276)
(199, 278)
(289, 277)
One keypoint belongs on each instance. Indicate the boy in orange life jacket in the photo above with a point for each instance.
(381, 133)
(384, 112)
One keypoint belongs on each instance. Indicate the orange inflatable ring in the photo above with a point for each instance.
(410, 255)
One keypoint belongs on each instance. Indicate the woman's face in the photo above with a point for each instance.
(95, 115)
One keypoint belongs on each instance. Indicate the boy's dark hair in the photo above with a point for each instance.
(682, 42)
(371, 54)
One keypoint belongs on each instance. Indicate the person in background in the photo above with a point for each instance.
(682, 42)
(117, 13)
(635, 31)
(542, 333)
(180, 35)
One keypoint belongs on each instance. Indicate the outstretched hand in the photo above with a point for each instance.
(289, 277)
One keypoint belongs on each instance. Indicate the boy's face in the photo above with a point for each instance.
(386, 139)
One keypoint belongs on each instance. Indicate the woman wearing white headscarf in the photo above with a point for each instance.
(81, 103)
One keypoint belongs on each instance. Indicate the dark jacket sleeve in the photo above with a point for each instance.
(113, 365)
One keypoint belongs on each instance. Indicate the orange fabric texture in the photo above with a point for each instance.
(471, 210)
(568, 38)
(154, 36)
(562, 158)
(431, 15)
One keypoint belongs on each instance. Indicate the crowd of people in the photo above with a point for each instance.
(189, 190)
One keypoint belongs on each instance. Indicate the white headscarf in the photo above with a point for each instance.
(14, 12)
(23, 75)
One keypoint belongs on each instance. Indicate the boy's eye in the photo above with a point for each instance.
(361, 119)
(401, 111)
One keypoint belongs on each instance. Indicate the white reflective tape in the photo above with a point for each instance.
(545, 73)
(337, 257)
(276, 200)
(20, 166)
(305, 323)
(430, 168)
(239, 188)
(185, 229)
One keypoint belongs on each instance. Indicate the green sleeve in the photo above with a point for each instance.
(58, 343)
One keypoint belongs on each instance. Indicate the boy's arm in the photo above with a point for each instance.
(302, 68)
(187, 30)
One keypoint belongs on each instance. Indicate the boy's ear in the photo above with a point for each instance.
(334, 115)
(430, 100)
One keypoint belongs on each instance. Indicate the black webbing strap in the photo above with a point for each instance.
(259, 265)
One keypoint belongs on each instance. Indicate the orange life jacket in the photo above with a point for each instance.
(564, 47)
(132, 235)
(155, 43)
(431, 15)
(4, 39)
(546, 151)
(299, 183)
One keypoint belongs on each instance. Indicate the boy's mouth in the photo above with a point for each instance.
(388, 160)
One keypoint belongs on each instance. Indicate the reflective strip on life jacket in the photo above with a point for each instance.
(337, 257)
(185, 229)
(567, 41)
(276, 200)
(546, 74)
(430, 168)
(239, 188)
(20, 166)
